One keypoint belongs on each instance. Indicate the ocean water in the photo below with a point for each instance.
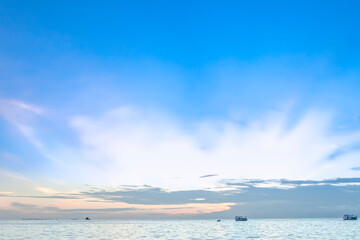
(180, 229)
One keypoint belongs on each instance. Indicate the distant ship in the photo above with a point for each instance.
(349, 217)
(240, 218)
(219, 220)
(87, 218)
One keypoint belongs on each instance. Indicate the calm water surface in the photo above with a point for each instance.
(180, 229)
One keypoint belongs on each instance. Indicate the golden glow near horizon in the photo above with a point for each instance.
(28, 205)
(28, 198)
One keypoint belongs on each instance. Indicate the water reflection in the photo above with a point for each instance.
(180, 229)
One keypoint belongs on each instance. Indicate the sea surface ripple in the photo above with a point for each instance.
(180, 229)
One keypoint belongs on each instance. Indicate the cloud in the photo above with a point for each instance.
(290, 184)
(209, 175)
(46, 190)
(135, 146)
(10, 109)
(155, 196)
(23, 206)
(21, 115)
(25, 106)
(95, 210)
(261, 198)
(32, 207)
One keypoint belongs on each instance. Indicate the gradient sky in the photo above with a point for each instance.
(179, 109)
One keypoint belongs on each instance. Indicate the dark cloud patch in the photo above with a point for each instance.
(284, 183)
(309, 201)
(31, 207)
(327, 181)
(209, 175)
(157, 196)
(299, 198)
(252, 197)
(23, 206)
(53, 197)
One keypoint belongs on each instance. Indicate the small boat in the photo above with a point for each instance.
(219, 220)
(240, 218)
(349, 217)
(87, 218)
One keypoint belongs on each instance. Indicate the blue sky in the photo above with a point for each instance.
(160, 93)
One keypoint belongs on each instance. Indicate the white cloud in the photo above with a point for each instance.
(15, 110)
(45, 190)
(130, 146)
(28, 132)
(25, 106)
(22, 116)
(133, 146)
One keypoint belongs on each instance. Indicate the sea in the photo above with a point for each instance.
(180, 229)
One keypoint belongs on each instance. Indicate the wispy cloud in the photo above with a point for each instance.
(261, 198)
(22, 116)
(18, 112)
(133, 146)
(208, 175)
(11, 108)
(290, 184)
(25, 106)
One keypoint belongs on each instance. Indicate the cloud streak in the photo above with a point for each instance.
(260, 198)
(136, 147)
(209, 175)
